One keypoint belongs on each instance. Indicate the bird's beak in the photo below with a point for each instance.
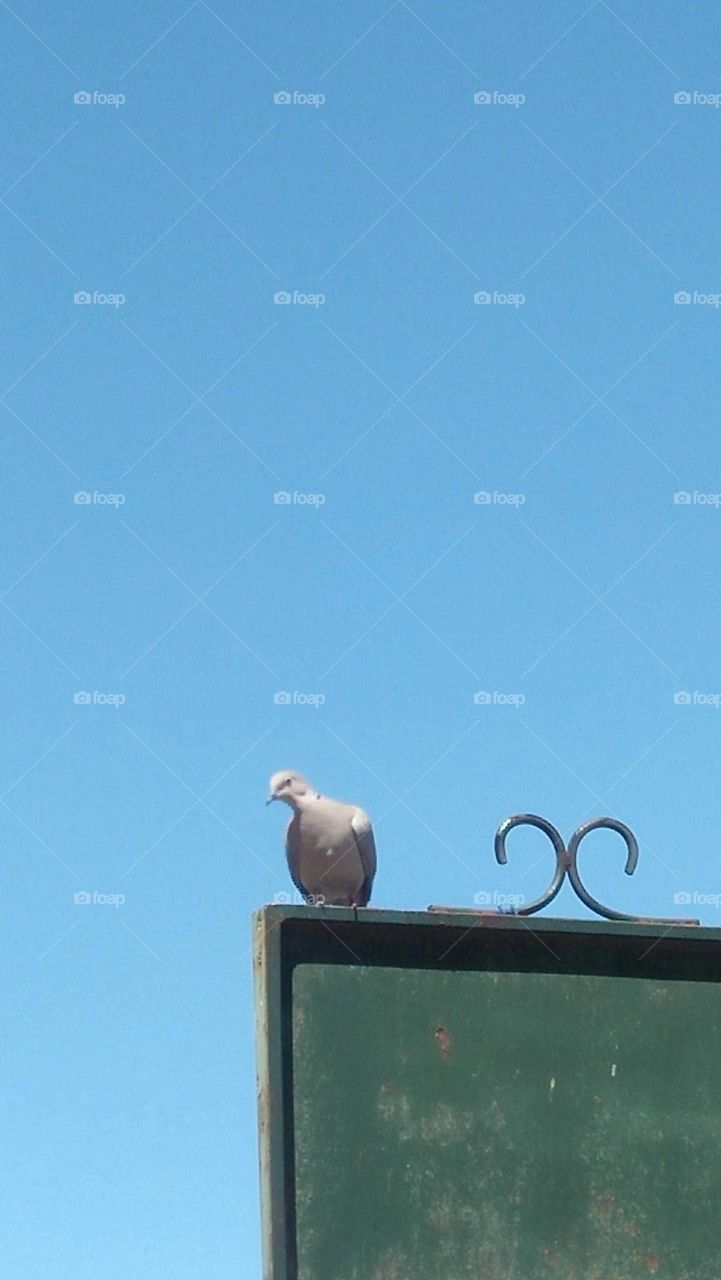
(270, 800)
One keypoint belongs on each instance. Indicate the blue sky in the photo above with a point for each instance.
(148, 567)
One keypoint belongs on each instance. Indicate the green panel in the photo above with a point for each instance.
(462, 1099)
(505, 1125)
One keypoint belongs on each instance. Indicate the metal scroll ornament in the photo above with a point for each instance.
(567, 864)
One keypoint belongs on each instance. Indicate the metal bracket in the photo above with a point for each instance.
(567, 864)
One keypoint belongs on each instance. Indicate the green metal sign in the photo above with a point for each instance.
(453, 1096)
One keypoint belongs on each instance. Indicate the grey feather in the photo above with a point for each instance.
(363, 832)
(292, 853)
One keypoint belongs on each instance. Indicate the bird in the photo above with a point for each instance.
(329, 845)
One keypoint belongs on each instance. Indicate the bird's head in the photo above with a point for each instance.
(290, 787)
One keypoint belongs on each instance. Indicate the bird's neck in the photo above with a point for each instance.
(304, 802)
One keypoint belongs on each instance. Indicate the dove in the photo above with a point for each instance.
(329, 845)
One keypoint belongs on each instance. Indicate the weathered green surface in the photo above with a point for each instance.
(501, 1123)
(505, 1125)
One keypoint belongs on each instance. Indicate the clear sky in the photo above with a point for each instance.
(179, 599)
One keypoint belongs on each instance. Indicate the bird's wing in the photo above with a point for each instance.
(365, 842)
(292, 853)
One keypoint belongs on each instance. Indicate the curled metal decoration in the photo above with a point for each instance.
(572, 865)
(567, 864)
(559, 875)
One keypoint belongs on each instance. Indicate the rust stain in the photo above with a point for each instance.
(606, 1205)
(443, 1040)
(651, 1260)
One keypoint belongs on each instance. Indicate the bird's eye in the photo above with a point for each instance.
(287, 782)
